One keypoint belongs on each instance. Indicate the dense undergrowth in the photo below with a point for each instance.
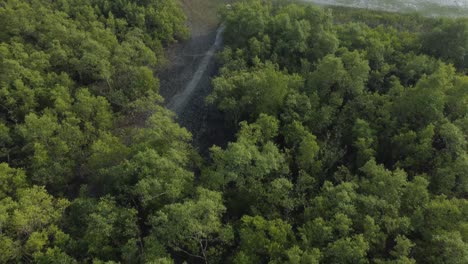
(351, 144)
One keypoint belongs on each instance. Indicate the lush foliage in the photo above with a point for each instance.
(81, 177)
(351, 145)
(353, 141)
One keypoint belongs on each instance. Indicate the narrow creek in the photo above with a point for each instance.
(186, 84)
(180, 100)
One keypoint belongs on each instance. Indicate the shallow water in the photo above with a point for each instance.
(425, 7)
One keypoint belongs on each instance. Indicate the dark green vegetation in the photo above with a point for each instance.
(351, 143)
(80, 181)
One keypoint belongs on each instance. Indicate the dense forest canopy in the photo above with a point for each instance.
(351, 146)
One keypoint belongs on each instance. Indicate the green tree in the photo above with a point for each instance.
(194, 227)
(252, 170)
(347, 250)
(241, 94)
(112, 232)
(455, 50)
(29, 220)
(262, 240)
